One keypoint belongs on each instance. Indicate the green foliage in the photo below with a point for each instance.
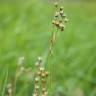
(25, 29)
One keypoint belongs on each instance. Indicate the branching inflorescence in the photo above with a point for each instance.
(41, 75)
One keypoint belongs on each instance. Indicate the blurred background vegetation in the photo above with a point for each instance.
(24, 31)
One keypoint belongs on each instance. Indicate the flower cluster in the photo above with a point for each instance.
(59, 18)
(40, 79)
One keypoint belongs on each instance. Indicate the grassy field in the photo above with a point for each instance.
(24, 31)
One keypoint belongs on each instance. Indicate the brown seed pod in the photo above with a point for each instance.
(57, 24)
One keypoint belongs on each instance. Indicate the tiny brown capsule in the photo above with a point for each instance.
(43, 75)
(57, 23)
(43, 81)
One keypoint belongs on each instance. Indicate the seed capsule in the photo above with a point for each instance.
(39, 73)
(43, 81)
(57, 23)
(36, 80)
(46, 74)
(61, 8)
(63, 16)
(66, 20)
(42, 69)
(43, 90)
(43, 75)
(56, 14)
(53, 22)
(61, 12)
(39, 59)
(36, 87)
(62, 27)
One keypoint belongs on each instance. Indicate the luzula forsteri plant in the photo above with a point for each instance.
(41, 75)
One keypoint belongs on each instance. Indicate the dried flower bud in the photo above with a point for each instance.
(61, 12)
(53, 22)
(57, 23)
(35, 94)
(36, 87)
(56, 14)
(56, 4)
(43, 75)
(66, 20)
(37, 64)
(39, 73)
(43, 81)
(63, 16)
(39, 60)
(44, 90)
(46, 73)
(42, 69)
(62, 27)
(36, 80)
(61, 8)
(10, 90)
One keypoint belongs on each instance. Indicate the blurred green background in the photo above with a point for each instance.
(25, 26)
